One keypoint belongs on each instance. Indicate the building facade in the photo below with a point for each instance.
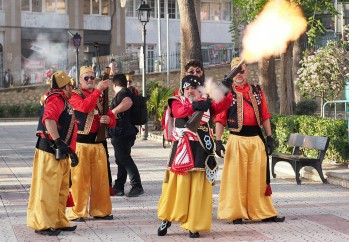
(36, 35)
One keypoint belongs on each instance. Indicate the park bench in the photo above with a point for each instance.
(297, 159)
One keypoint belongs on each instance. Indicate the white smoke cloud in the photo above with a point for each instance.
(54, 53)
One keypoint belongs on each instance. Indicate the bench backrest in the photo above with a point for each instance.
(310, 142)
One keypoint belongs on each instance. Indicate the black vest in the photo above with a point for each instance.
(65, 123)
(85, 120)
(235, 111)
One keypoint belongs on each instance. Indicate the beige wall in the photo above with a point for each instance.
(12, 38)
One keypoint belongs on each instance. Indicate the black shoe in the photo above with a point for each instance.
(49, 232)
(275, 219)
(135, 192)
(79, 220)
(108, 217)
(162, 230)
(194, 235)
(120, 193)
(69, 229)
(237, 221)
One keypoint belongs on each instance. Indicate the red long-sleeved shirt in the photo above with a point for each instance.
(249, 117)
(53, 109)
(89, 103)
(180, 110)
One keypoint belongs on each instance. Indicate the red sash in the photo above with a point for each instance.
(183, 159)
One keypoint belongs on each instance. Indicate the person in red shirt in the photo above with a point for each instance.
(90, 178)
(245, 190)
(192, 167)
(57, 131)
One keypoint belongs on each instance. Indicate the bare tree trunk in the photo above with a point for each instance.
(298, 49)
(286, 84)
(267, 79)
(190, 36)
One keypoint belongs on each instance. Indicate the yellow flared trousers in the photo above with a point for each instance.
(90, 182)
(187, 199)
(48, 192)
(244, 181)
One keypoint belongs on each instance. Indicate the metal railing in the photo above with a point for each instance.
(336, 113)
(130, 62)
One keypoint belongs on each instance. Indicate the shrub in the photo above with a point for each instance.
(306, 107)
(335, 129)
(14, 110)
(2, 111)
(31, 109)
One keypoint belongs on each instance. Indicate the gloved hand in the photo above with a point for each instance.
(270, 145)
(219, 148)
(74, 159)
(202, 105)
(227, 82)
(62, 147)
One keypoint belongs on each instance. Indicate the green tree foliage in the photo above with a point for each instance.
(157, 103)
(324, 74)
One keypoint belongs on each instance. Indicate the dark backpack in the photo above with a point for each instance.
(139, 111)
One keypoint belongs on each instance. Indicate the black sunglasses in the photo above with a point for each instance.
(89, 77)
(242, 72)
(196, 70)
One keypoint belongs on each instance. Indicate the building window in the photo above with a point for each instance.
(87, 6)
(25, 5)
(162, 9)
(166, 6)
(55, 6)
(105, 7)
(226, 11)
(205, 11)
(36, 6)
(215, 11)
(172, 9)
(96, 7)
(129, 9)
(47, 6)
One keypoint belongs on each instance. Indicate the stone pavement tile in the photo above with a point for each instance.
(333, 222)
(306, 207)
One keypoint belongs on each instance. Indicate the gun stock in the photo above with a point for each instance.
(102, 131)
(194, 121)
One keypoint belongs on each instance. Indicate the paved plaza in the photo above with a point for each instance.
(314, 211)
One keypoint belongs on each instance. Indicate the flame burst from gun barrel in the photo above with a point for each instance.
(268, 35)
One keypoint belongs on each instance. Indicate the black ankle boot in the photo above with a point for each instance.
(194, 235)
(237, 221)
(275, 219)
(162, 230)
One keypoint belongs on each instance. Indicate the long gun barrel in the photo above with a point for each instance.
(102, 132)
(194, 121)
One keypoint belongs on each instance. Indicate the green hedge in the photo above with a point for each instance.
(17, 110)
(335, 129)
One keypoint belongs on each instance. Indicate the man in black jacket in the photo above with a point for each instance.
(123, 137)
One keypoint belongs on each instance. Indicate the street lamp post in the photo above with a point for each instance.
(76, 42)
(143, 16)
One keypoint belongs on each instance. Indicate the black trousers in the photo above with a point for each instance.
(108, 163)
(126, 165)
